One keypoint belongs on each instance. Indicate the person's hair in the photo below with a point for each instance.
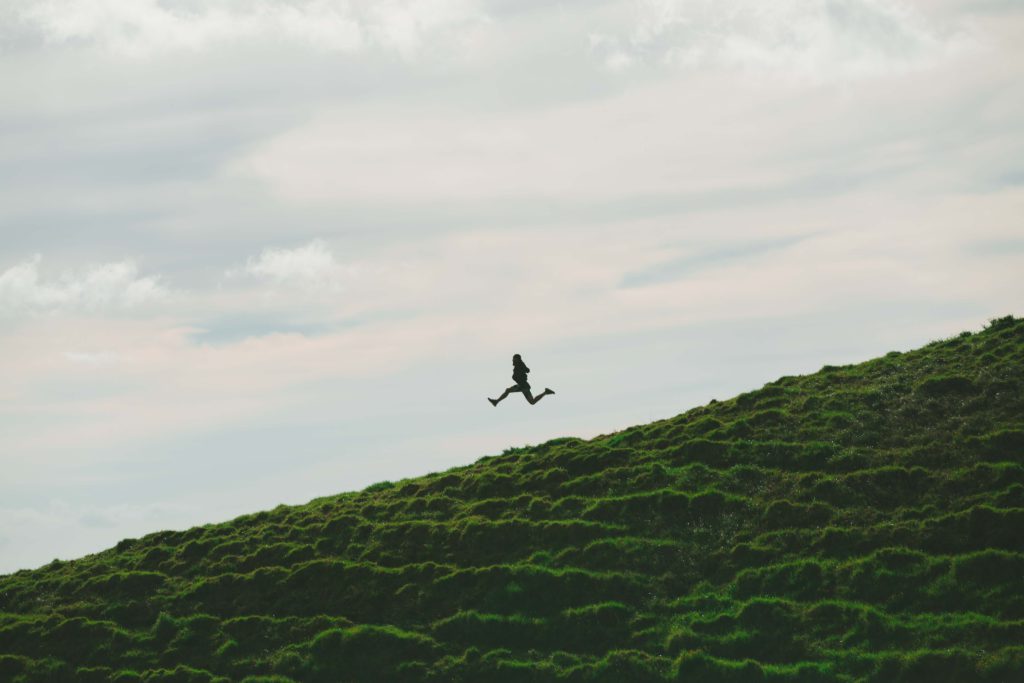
(516, 356)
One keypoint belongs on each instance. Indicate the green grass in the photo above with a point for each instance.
(864, 523)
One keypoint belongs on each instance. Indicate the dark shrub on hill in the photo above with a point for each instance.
(947, 385)
(365, 653)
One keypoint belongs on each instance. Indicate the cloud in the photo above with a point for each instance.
(310, 267)
(103, 287)
(404, 25)
(144, 27)
(92, 357)
(817, 41)
(696, 260)
(633, 143)
(680, 138)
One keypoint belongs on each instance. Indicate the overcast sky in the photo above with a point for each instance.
(258, 252)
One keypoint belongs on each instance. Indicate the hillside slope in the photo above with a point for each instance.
(864, 523)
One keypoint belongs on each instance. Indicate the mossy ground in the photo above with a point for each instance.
(865, 523)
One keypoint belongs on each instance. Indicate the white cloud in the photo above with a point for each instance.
(145, 27)
(684, 137)
(107, 286)
(311, 266)
(817, 40)
(404, 25)
(92, 357)
(638, 142)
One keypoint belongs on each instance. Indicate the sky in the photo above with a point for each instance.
(253, 253)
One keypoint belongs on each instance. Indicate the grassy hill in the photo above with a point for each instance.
(864, 523)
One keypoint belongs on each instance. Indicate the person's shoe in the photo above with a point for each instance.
(548, 391)
(493, 402)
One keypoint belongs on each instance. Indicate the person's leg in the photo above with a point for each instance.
(496, 401)
(532, 399)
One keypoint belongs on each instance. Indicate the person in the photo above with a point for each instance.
(519, 372)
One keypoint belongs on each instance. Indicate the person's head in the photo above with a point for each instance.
(516, 358)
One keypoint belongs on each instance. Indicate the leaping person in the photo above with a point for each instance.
(519, 372)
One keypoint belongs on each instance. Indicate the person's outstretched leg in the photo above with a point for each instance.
(496, 401)
(532, 399)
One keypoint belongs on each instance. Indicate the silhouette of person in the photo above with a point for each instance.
(519, 372)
